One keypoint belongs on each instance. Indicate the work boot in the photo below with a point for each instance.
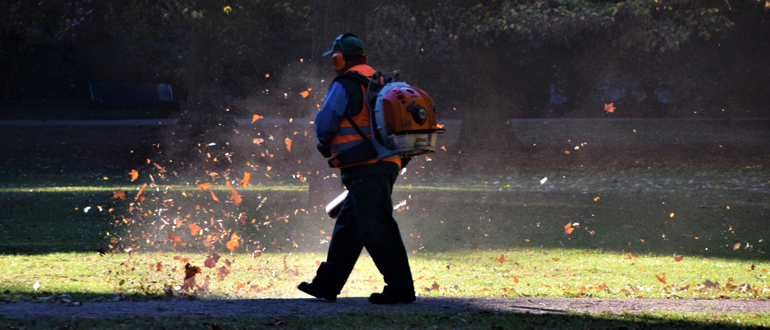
(390, 297)
(316, 291)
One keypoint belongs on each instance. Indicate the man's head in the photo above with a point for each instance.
(345, 49)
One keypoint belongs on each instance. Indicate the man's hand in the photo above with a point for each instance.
(325, 150)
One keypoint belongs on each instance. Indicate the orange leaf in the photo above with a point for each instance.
(255, 117)
(301, 178)
(204, 186)
(596, 198)
(501, 259)
(661, 278)
(568, 228)
(288, 143)
(235, 197)
(609, 107)
(678, 259)
(233, 243)
(737, 246)
(304, 94)
(141, 190)
(556, 259)
(246, 178)
(162, 170)
(214, 196)
(259, 141)
(134, 174)
(515, 280)
(119, 194)
(190, 271)
(194, 228)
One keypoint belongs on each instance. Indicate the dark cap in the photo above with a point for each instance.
(348, 44)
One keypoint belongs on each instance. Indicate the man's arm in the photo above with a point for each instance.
(327, 121)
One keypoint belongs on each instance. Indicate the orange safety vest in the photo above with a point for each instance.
(346, 136)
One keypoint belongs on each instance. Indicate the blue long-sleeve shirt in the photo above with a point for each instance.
(327, 121)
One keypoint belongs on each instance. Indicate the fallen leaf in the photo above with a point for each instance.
(214, 196)
(194, 228)
(203, 186)
(515, 280)
(304, 94)
(661, 278)
(679, 258)
(609, 107)
(501, 259)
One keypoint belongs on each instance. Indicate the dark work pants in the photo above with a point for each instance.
(366, 220)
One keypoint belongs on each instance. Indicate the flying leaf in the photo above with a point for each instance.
(515, 280)
(737, 246)
(162, 170)
(203, 186)
(246, 178)
(235, 197)
(301, 178)
(214, 196)
(256, 117)
(233, 243)
(212, 260)
(134, 174)
(661, 278)
(288, 143)
(679, 258)
(259, 141)
(194, 228)
(568, 228)
(119, 194)
(610, 107)
(141, 190)
(190, 271)
(304, 94)
(501, 259)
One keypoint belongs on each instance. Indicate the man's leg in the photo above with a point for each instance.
(379, 231)
(344, 249)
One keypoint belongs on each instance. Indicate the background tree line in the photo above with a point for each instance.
(483, 62)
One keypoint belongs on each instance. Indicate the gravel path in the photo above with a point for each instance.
(316, 307)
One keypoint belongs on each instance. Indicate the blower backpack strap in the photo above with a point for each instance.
(352, 82)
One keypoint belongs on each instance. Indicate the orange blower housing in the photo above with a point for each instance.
(409, 110)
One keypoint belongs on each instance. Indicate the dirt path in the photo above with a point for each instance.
(315, 307)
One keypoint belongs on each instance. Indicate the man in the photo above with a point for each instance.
(366, 218)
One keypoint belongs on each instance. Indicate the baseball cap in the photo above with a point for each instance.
(348, 44)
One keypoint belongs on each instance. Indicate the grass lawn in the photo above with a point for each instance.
(651, 231)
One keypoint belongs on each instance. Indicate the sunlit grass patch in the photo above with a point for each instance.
(499, 273)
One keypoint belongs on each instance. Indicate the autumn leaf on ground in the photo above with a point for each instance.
(235, 197)
(246, 178)
(679, 258)
(214, 196)
(141, 190)
(223, 272)
(288, 143)
(158, 266)
(194, 228)
(119, 194)
(661, 278)
(134, 174)
(610, 107)
(203, 186)
(501, 259)
(435, 286)
(515, 280)
(304, 94)
(259, 141)
(255, 117)
(710, 284)
(233, 243)
(568, 228)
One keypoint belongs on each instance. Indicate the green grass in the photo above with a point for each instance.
(353, 320)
